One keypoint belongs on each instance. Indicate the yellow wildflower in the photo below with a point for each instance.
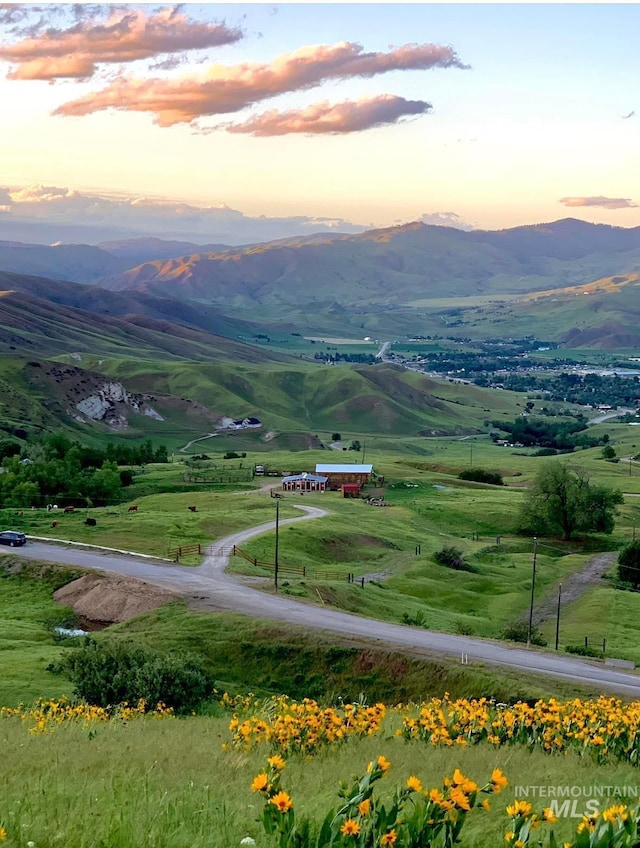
(459, 798)
(498, 780)
(519, 808)
(549, 816)
(350, 828)
(276, 762)
(414, 784)
(389, 839)
(364, 807)
(282, 801)
(384, 765)
(259, 782)
(436, 797)
(3, 834)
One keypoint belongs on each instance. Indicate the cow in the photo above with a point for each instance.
(133, 508)
(69, 509)
(90, 522)
(54, 523)
(192, 508)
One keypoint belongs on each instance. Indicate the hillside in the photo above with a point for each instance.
(393, 266)
(602, 314)
(128, 305)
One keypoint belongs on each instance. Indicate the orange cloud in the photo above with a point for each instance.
(323, 117)
(603, 202)
(225, 89)
(126, 36)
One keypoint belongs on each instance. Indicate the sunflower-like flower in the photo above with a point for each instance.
(282, 802)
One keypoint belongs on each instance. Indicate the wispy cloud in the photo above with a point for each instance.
(600, 201)
(324, 117)
(225, 89)
(127, 35)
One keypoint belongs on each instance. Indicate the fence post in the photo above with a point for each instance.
(304, 570)
(604, 646)
(199, 549)
(586, 641)
(363, 582)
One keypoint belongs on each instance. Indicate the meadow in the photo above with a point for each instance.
(183, 782)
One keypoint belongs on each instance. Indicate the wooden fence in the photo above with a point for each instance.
(283, 568)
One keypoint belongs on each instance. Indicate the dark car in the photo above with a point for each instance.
(12, 537)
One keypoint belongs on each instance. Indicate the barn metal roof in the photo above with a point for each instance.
(343, 468)
(314, 478)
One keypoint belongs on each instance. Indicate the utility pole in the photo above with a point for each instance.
(470, 456)
(533, 589)
(558, 615)
(275, 571)
(364, 447)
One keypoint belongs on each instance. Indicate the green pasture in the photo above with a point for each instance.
(27, 645)
(161, 522)
(168, 783)
(603, 612)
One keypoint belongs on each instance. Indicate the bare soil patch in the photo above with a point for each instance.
(111, 599)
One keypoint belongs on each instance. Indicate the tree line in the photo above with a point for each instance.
(57, 470)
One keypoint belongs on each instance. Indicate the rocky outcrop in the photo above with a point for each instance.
(110, 401)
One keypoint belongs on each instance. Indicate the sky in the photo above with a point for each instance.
(240, 122)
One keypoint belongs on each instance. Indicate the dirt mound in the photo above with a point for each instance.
(111, 599)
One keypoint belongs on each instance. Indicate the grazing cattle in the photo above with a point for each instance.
(49, 507)
(90, 522)
(21, 514)
(69, 509)
(192, 508)
(133, 508)
(54, 523)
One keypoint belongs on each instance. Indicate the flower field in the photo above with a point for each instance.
(276, 772)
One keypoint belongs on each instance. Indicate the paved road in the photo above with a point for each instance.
(215, 589)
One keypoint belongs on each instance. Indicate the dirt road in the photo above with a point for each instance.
(210, 587)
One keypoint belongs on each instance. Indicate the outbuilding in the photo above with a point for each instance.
(339, 474)
(304, 483)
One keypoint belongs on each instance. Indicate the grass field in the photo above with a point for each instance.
(168, 783)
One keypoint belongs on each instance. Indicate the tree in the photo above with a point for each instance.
(562, 501)
(335, 437)
(608, 452)
(355, 445)
(629, 563)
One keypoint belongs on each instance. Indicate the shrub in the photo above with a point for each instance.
(110, 673)
(417, 620)
(452, 557)
(479, 475)
(584, 651)
(629, 563)
(518, 631)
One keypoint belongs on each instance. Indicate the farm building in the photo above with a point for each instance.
(304, 483)
(341, 474)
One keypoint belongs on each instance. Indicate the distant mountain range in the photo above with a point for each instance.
(173, 320)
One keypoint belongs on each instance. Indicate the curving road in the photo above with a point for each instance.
(215, 589)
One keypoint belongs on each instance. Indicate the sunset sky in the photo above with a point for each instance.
(489, 116)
